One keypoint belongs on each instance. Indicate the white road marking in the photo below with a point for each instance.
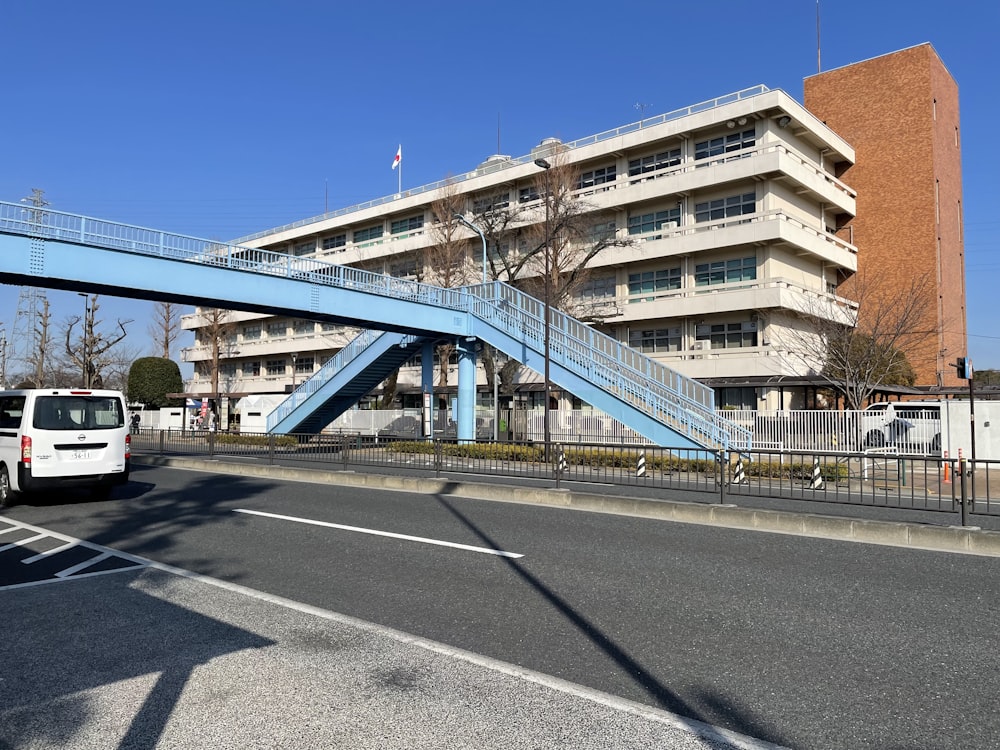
(103, 553)
(48, 553)
(438, 542)
(22, 542)
(82, 566)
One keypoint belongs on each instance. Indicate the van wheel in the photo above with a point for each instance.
(6, 493)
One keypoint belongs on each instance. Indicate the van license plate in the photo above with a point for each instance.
(81, 455)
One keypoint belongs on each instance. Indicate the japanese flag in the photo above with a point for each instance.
(399, 156)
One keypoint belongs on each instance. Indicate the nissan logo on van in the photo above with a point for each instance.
(81, 437)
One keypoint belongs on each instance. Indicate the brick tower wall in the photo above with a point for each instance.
(900, 113)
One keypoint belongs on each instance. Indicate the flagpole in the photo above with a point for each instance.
(397, 164)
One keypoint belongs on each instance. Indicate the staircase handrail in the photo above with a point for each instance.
(641, 381)
(324, 374)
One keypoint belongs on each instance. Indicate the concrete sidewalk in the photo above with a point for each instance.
(158, 658)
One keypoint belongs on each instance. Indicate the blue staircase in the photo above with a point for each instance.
(345, 378)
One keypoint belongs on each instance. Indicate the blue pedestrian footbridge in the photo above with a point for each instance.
(56, 250)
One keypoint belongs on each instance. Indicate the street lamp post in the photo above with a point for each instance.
(547, 301)
(462, 220)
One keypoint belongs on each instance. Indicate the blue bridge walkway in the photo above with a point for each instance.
(57, 250)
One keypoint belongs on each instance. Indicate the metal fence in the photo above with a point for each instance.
(805, 430)
(956, 489)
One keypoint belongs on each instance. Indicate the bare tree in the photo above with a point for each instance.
(165, 327)
(38, 358)
(553, 222)
(858, 347)
(91, 350)
(115, 371)
(446, 262)
(215, 330)
(565, 226)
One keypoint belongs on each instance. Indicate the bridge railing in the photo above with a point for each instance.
(680, 402)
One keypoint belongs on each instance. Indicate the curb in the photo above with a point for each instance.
(957, 539)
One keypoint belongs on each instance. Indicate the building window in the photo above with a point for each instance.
(275, 367)
(251, 369)
(493, 202)
(651, 222)
(728, 335)
(604, 231)
(407, 225)
(744, 399)
(251, 332)
(304, 248)
(598, 289)
(647, 285)
(724, 144)
(724, 208)
(303, 327)
(596, 177)
(304, 365)
(404, 269)
(725, 271)
(227, 370)
(656, 162)
(368, 234)
(277, 329)
(656, 340)
(335, 243)
(528, 194)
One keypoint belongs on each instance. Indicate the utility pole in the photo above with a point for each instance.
(26, 350)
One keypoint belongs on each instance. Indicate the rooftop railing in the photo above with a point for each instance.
(499, 165)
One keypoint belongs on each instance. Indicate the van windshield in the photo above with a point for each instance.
(78, 413)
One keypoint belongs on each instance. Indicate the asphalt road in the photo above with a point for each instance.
(802, 642)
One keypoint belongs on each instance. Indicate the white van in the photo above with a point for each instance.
(909, 426)
(53, 438)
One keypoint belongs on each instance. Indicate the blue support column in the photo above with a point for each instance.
(466, 389)
(428, 405)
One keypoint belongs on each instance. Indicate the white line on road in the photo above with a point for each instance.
(48, 553)
(83, 566)
(484, 550)
(22, 542)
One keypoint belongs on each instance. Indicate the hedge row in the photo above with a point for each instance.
(228, 438)
(627, 459)
(573, 456)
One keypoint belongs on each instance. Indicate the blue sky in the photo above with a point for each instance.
(219, 119)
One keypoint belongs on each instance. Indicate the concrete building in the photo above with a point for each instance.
(900, 113)
(724, 217)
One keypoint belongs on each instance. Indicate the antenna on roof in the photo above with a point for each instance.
(819, 68)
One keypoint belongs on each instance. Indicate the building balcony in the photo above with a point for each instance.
(702, 301)
(764, 228)
(746, 362)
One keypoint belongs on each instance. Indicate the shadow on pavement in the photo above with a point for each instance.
(723, 713)
(71, 639)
